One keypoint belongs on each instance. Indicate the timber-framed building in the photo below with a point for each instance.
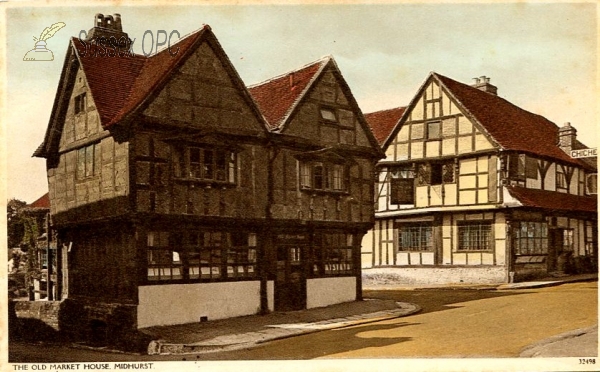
(179, 195)
(474, 189)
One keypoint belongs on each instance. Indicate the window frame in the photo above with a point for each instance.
(425, 173)
(333, 254)
(205, 255)
(534, 242)
(205, 164)
(331, 177)
(86, 162)
(420, 233)
(428, 135)
(561, 180)
(400, 184)
(79, 103)
(329, 110)
(482, 226)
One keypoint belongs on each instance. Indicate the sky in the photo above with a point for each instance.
(541, 56)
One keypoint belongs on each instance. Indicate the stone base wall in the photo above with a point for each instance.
(95, 323)
(99, 323)
(434, 275)
(44, 311)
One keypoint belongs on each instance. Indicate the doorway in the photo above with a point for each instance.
(290, 283)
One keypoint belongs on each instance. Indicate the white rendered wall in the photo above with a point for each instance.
(186, 303)
(328, 291)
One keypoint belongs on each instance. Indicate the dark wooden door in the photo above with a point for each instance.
(555, 248)
(290, 284)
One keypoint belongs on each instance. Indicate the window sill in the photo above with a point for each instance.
(477, 251)
(325, 192)
(206, 183)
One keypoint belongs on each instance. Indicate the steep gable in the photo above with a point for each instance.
(278, 96)
(317, 104)
(434, 125)
(204, 91)
(123, 85)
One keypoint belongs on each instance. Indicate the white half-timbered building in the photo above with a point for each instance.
(474, 189)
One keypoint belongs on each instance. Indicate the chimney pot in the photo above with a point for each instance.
(475, 81)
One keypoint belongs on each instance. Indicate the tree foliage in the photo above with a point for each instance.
(15, 222)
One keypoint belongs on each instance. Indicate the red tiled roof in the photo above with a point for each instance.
(553, 200)
(382, 122)
(120, 84)
(42, 202)
(277, 97)
(510, 126)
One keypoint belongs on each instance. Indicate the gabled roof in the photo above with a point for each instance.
(383, 122)
(553, 200)
(121, 85)
(42, 202)
(277, 97)
(510, 127)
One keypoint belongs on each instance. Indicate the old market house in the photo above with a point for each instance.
(176, 198)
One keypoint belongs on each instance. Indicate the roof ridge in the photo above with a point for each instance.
(321, 60)
(384, 110)
(189, 34)
(495, 96)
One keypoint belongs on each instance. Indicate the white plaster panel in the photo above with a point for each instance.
(427, 258)
(415, 258)
(468, 166)
(186, 303)
(328, 291)
(416, 150)
(450, 194)
(436, 195)
(467, 197)
(402, 258)
(459, 259)
(487, 259)
(474, 259)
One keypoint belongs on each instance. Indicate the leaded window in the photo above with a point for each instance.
(206, 164)
(530, 238)
(333, 254)
(86, 158)
(475, 236)
(207, 255)
(323, 176)
(415, 238)
(402, 185)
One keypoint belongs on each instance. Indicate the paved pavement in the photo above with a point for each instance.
(248, 331)
(578, 343)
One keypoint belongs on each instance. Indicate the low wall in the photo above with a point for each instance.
(44, 311)
(329, 291)
(188, 303)
(434, 275)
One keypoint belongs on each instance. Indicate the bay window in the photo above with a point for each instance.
(323, 176)
(206, 164)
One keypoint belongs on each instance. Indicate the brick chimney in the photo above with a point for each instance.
(567, 136)
(109, 26)
(483, 83)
